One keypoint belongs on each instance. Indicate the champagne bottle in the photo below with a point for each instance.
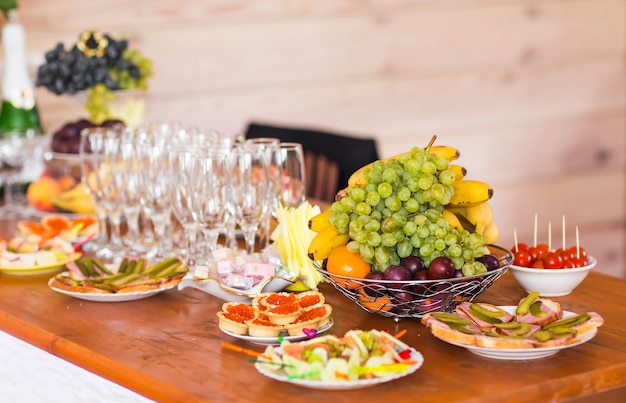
(18, 114)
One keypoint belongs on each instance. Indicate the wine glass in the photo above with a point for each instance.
(250, 186)
(293, 181)
(15, 149)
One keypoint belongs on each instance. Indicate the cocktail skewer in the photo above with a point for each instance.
(563, 230)
(535, 232)
(515, 240)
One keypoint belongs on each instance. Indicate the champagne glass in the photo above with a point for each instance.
(293, 181)
(180, 165)
(98, 151)
(129, 175)
(250, 186)
(155, 184)
(269, 147)
(209, 192)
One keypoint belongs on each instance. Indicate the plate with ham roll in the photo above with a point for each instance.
(535, 328)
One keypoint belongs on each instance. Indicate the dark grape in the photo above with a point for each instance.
(440, 268)
(397, 273)
(413, 263)
(490, 261)
(372, 288)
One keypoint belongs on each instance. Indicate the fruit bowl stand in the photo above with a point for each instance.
(415, 298)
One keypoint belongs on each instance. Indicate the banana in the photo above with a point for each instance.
(452, 219)
(75, 200)
(324, 242)
(319, 222)
(469, 193)
(447, 152)
(491, 234)
(459, 170)
(476, 217)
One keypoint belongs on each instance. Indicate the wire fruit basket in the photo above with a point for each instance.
(415, 298)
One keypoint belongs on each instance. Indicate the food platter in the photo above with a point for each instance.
(275, 341)
(112, 297)
(514, 354)
(416, 357)
(39, 269)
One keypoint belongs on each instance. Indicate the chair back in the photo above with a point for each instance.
(330, 158)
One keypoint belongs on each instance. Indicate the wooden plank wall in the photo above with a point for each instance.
(532, 92)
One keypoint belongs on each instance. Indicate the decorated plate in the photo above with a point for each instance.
(213, 287)
(525, 353)
(341, 385)
(39, 269)
(112, 297)
(275, 341)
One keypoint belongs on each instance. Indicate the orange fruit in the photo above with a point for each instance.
(375, 304)
(345, 263)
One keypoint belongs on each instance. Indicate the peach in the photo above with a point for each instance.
(41, 192)
(66, 182)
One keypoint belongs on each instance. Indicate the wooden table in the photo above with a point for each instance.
(168, 348)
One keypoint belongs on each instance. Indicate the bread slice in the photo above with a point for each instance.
(452, 327)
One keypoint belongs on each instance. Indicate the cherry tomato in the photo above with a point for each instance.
(522, 258)
(568, 263)
(580, 262)
(519, 246)
(552, 260)
(537, 264)
(534, 253)
(543, 250)
(574, 251)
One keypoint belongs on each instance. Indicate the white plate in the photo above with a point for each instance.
(114, 297)
(214, 287)
(341, 385)
(525, 353)
(39, 269)
(275, 341)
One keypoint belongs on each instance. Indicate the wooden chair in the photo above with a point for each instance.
(330, 158)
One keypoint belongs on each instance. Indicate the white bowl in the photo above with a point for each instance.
(551, 282)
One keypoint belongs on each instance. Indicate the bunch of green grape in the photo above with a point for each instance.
(399, 214)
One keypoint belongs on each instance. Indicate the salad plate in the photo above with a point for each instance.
(39, 269)
(111, 297)
(275, 341)
(416, 358)
(525, 353)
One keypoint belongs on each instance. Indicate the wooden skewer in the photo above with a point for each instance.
(515, 240)
(563, 230)
(238, 349)
(400, 333)
(577, 244)
(535, 234)
(549, 235)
